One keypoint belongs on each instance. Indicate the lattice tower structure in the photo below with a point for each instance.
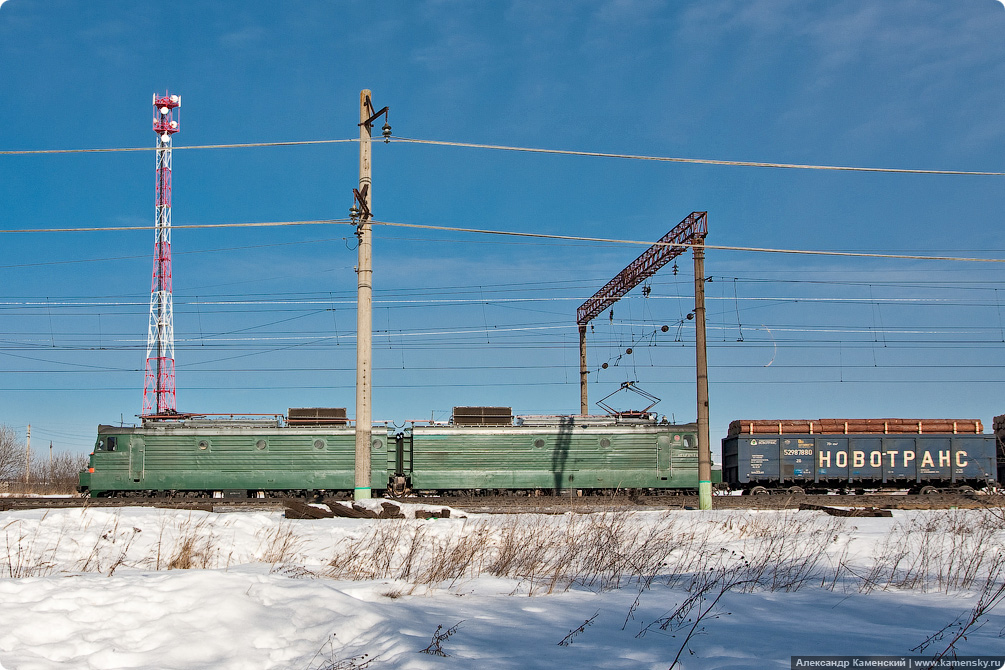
(159, 380)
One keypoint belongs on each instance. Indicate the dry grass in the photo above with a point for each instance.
(787, 551)
(991, 595)
(947, 550)
(24, 555)
(599, 551)
(195, 547)
(279, 544)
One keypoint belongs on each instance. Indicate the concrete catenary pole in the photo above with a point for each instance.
(27, 456)
(584, 404)
(364, 307)
(701, 364)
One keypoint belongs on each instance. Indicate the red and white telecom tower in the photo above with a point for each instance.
(158, 383)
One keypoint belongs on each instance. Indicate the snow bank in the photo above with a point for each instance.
(95, 589)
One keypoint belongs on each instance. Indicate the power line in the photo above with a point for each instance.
(536, 150)
(268, 224)
(699, 161)
(804, 252)
(494, 384)
(175, 253)
(856, 254)
(28, 152)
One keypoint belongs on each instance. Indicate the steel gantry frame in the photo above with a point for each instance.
(691, 233)
(691, 230)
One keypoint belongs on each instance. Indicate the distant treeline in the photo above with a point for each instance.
(58, 475)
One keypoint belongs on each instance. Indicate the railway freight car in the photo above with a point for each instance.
(923, 455)
(487, 449)
(311, 452)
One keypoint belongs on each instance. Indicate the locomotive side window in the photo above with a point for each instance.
(203, 445)
(689, 442)
(111, 441)
(539, 443)
(261, 445)
(319, 444)
(378, 443)
(605, 443)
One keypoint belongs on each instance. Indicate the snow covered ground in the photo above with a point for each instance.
(149, 588)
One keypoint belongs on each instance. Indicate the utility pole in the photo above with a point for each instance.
(584, 405)
(701, 365)
(364, 308)
(361, 214)
(27, 456)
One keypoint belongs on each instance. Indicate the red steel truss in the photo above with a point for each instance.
(159, 381)
(689, 231)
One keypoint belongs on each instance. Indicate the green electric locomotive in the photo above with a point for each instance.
(312, 452)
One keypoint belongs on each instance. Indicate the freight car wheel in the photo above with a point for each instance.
(966, 490)
(928, 490)
(797, 491)
(758, 491)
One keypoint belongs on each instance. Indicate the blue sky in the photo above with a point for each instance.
(264, 317)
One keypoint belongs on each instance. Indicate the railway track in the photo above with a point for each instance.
(562, 504)
(203, 504)
(546, 504)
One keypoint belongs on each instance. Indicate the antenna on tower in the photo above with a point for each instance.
(158, 382)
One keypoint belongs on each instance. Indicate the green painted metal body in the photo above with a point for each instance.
(230, 457)
(564, 455)
(266, 456)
